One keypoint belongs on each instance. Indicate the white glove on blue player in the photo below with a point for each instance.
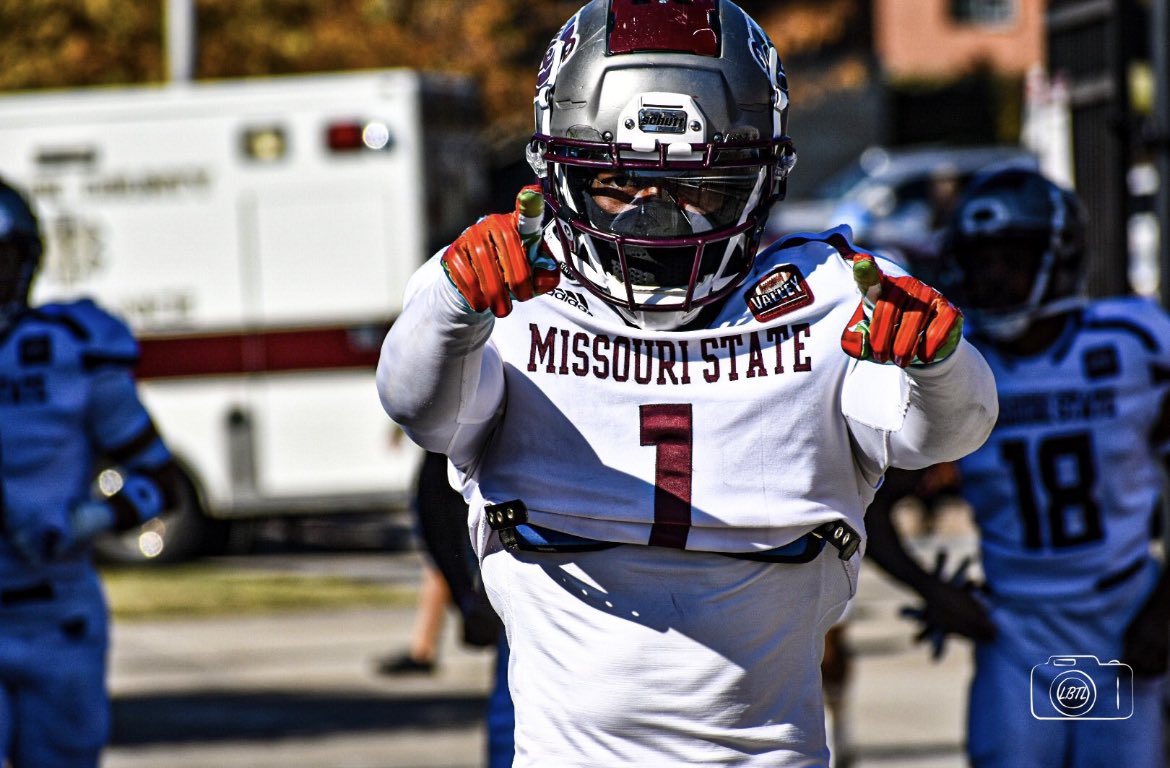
(87, 520)
(43, 543)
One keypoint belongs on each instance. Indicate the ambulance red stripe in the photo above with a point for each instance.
(261, 351)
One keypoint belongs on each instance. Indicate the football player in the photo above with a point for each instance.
(67, 400)
(667, 441)
(1065, 493)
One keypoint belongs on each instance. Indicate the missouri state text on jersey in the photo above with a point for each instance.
(749, 408)
(724, 357)
(1058, 406)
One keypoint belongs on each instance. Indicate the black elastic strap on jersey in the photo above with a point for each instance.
(1120, 576)
(837, 533)
(803, 550)
(91, 361)
(509, 519)
(841, 535)
(134, 445)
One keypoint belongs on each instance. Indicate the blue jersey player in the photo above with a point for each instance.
(1073, 625)
(68, 407)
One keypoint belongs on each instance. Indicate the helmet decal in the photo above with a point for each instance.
(985, 215)
(766, 55)
(685, 26)
(758, 44)
(560, 50)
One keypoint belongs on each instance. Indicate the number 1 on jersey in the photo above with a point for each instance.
(669, 428)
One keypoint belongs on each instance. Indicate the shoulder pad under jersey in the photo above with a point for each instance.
(1138, 316)
(840, 239)
(106, 340)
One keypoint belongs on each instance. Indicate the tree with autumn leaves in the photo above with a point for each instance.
(72, 43)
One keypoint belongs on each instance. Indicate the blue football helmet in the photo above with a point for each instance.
(20, 250)
(1015, 245)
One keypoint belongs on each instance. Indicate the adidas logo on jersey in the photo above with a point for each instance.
(780, 291)
(572, 298)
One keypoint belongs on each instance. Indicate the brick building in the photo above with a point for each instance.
(944, 38)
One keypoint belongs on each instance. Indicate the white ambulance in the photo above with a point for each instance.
(257, 236)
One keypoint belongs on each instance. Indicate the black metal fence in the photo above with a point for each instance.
(1095, 45)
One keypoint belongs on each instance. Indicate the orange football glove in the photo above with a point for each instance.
(899, 320)
(501, 257)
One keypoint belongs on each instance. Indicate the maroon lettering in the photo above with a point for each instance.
(711, 373)
(755, 357)
(542, 347)
(640, 376)
(732, 343)
(564, 369)
(621, 371)
(601, 366)
(777, 336)
(802, 365)
(666, 361)
(581, 367)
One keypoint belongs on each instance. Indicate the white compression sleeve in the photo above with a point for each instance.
(437, 376)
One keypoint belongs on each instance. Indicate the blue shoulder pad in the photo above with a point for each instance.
(106, 339)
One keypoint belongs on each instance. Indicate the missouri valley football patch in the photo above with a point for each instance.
(780, 291)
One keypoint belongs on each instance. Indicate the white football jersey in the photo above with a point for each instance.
(728, 438)
(1065, 488)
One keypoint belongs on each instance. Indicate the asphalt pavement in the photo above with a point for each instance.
(300, 691)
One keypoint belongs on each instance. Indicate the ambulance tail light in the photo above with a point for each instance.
(355, 136)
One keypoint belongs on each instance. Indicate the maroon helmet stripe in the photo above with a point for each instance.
(269, 351)
(685, 26)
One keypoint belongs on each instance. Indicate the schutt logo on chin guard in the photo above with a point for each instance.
(662, 120)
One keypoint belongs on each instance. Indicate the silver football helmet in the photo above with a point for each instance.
(661, 141)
